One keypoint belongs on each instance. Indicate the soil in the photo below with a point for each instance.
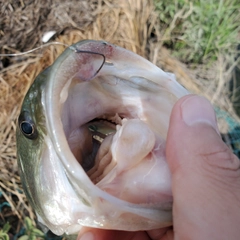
(132, 24)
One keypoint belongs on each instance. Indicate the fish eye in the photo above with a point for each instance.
(27, 126)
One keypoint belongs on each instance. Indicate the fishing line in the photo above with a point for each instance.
(73, 48)
(32, 50)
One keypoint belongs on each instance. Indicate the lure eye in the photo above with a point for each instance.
(27, 126)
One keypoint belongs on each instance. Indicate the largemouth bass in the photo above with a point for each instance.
(91, 141)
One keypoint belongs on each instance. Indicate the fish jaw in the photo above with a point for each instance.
(89, 80)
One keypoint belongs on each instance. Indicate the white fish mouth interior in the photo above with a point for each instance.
(94, 134)
(111, 127)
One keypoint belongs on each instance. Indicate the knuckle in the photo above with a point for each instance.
(222, 157)
(222, 165)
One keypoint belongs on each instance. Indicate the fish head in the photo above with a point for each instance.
(91, 141)
(30, 132)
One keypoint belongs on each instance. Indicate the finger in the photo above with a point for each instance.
(205, 174)
(102, 234)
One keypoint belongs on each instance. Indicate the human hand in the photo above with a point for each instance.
(205, 180)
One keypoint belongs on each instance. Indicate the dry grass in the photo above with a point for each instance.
(128, 23)
(125, 24)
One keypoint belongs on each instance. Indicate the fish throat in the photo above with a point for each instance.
(98, 162)
(97, 117)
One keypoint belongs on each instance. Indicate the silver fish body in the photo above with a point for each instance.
(91, 141)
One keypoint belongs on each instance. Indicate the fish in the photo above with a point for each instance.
(91, 138)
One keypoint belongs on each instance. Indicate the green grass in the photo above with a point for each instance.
(30, 232)
(200, 30)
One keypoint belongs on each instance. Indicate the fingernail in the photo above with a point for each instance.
(87, 236)
(196, 109)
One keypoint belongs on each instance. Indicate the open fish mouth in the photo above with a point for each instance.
(103, 159)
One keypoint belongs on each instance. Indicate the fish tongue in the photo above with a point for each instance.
(133, 141)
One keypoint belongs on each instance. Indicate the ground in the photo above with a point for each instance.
(132, 24)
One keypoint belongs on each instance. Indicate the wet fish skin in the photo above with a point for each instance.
(29, 147)
(48, 171)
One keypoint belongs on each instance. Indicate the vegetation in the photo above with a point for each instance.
(30, 232)
(197, 31)
(4, 232)
(200, 30)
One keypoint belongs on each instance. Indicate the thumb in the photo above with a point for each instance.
(205, 174)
